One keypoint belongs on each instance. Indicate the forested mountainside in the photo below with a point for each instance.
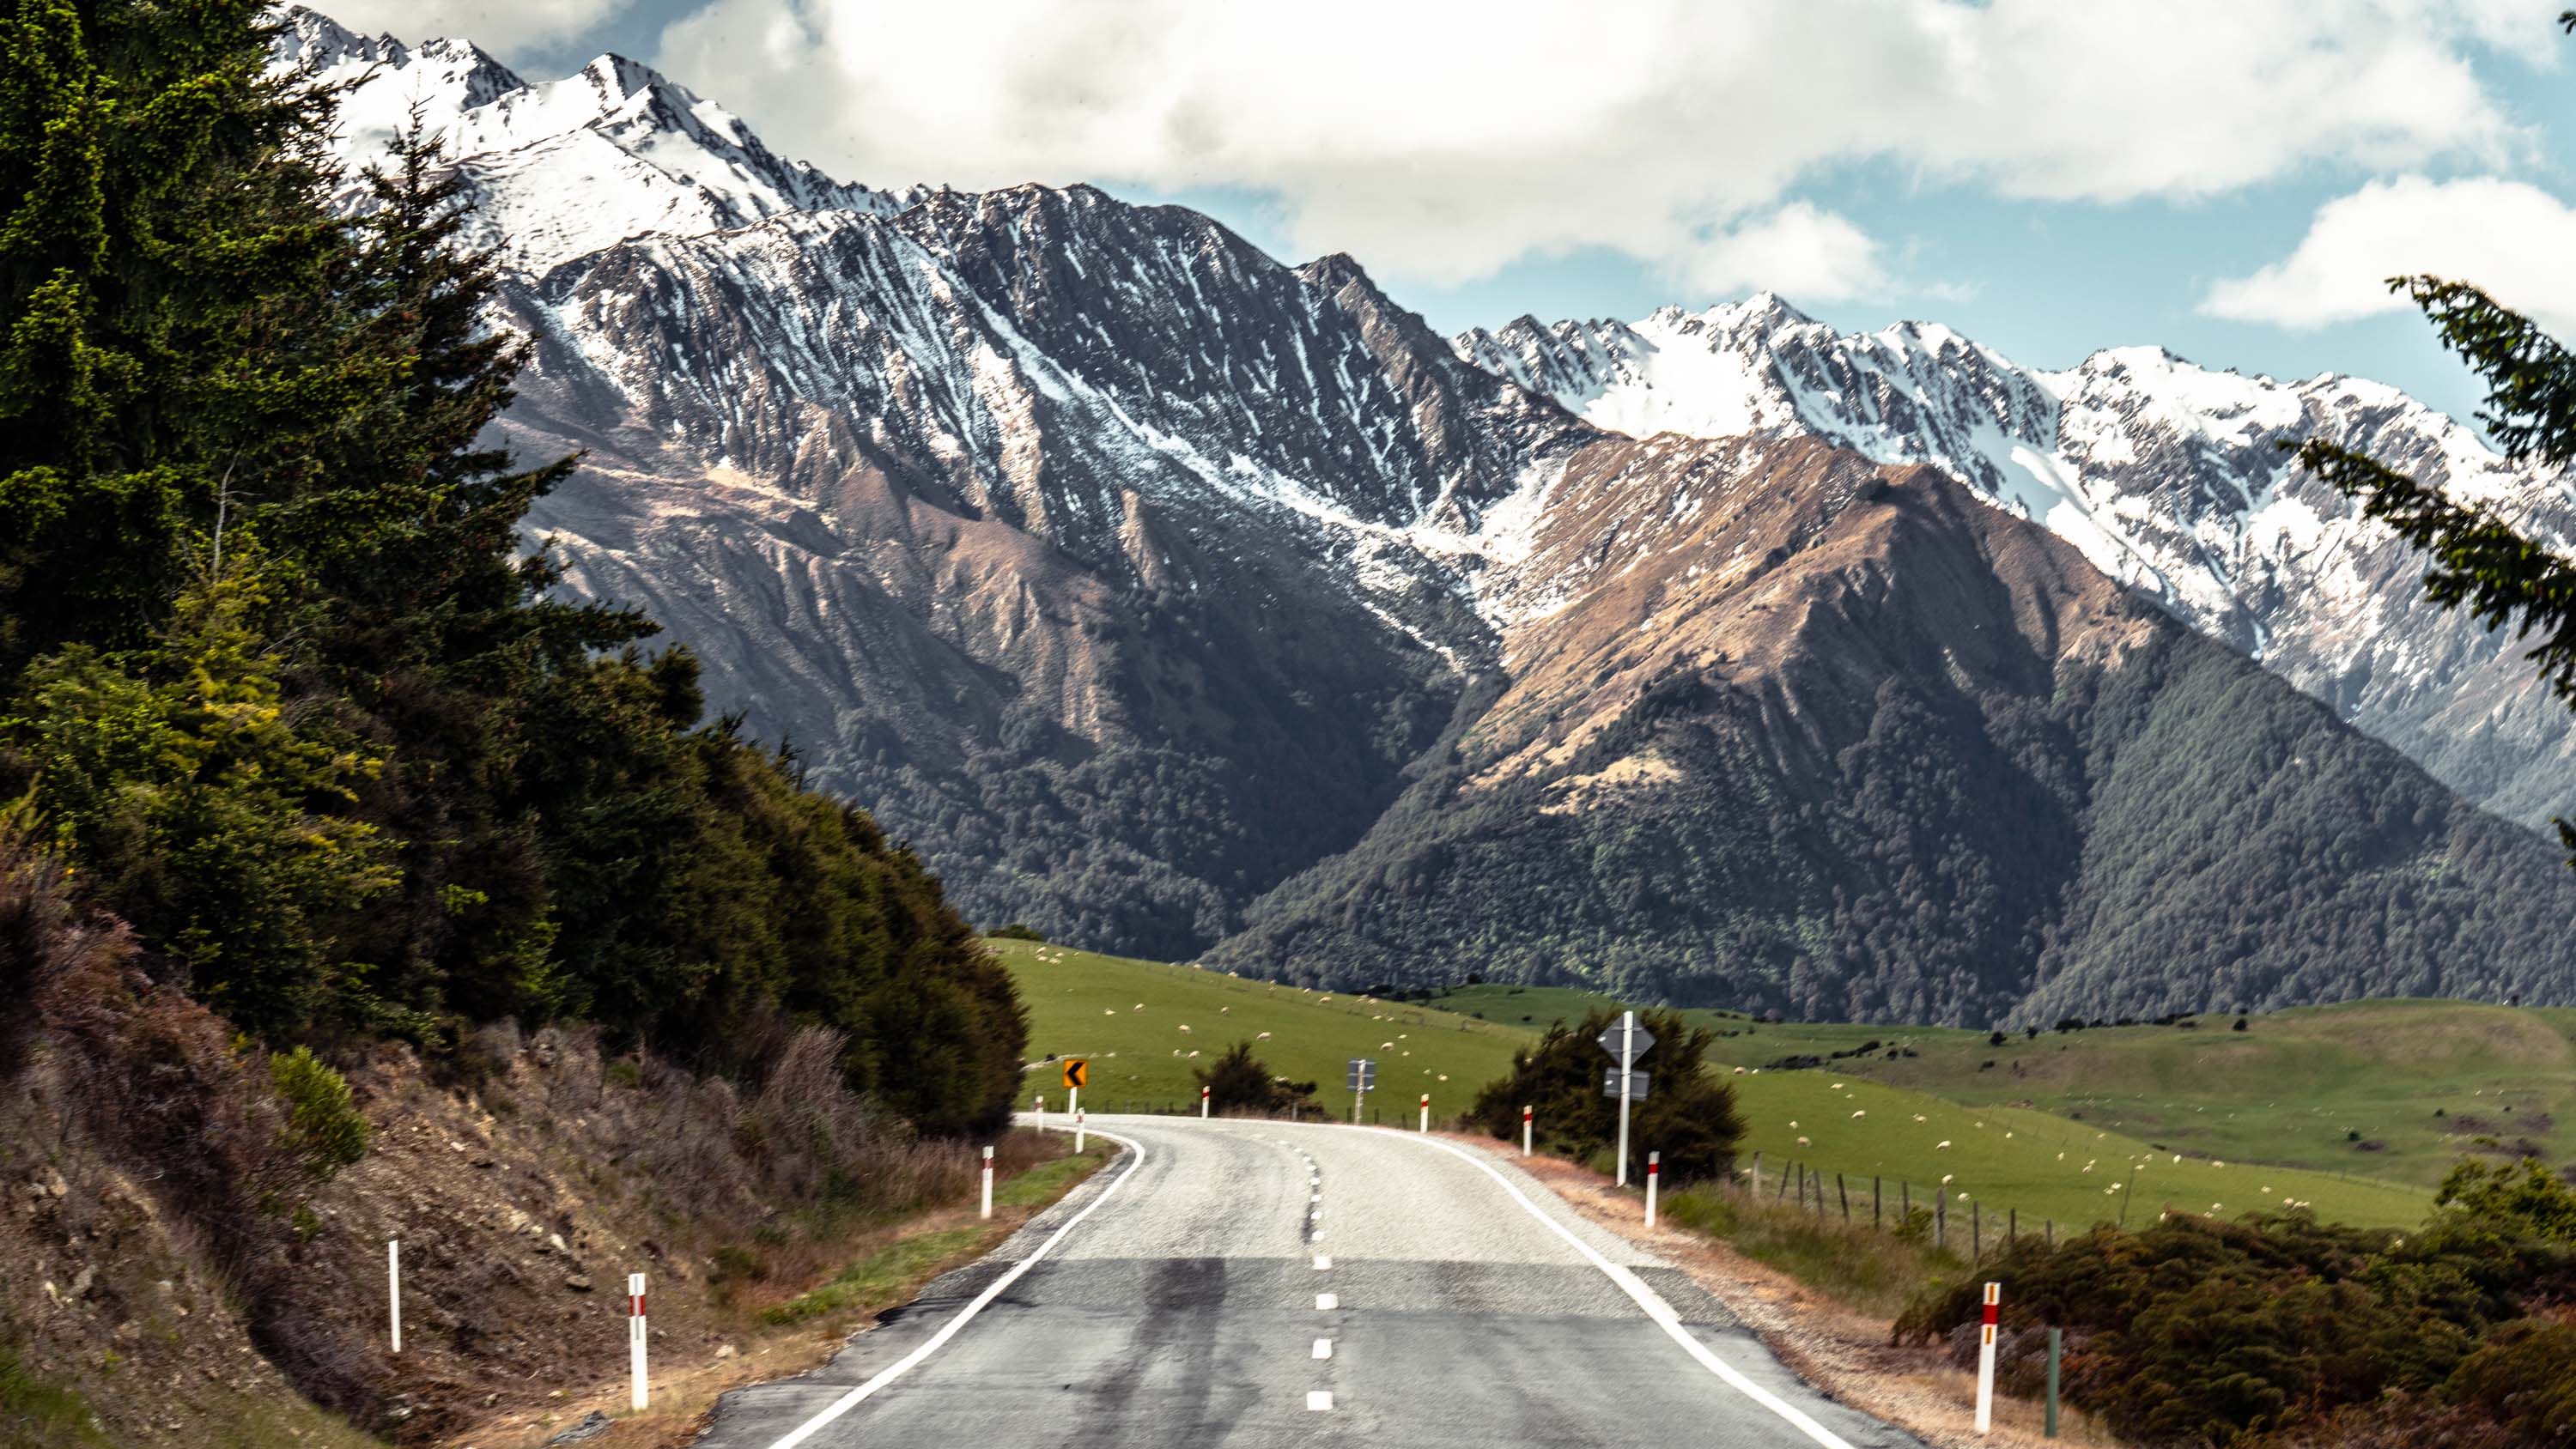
(1839, 741)
(1160, 594)
(2168, 476)
(283, 691)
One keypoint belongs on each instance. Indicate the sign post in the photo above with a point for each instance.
(1986, 1360)
(1627, 1041)
(1363, 1077)
(635, 1336)
(1077, 1070)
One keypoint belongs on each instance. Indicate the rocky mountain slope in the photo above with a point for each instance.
(2166, 475)
(1137, 578)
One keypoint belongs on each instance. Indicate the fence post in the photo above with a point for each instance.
(1844, 1194)
(1877, 1206)
(1976, 1233)
(2056, 1347)
(1757, 1174)
(2051, 1227)
(1941, 1220)
(2012, 1227)
(1782, 1190)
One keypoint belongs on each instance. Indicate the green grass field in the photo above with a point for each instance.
(1139, 1022)
(1127, 1015)
(2393, 1090)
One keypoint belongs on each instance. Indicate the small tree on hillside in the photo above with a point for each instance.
(1238, 1081)
(1688, 1116)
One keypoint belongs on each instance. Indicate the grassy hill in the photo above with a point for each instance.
(1141, 1021)
(2392, 1090)
(1126, 1015)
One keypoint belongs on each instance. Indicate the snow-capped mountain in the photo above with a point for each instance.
(2167, 475)
(563, 168)
(1155, 590)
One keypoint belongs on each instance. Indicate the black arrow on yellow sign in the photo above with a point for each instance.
(1077, 1072)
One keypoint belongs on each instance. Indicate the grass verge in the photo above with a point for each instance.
(897, 1271)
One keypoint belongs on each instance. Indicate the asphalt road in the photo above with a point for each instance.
(1260, 1284)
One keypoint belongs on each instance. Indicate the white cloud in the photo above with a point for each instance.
(1808, 254)
(497, 25)
(1439, 141)
(2508, 237)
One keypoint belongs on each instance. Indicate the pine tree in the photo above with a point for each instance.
(2481, 561)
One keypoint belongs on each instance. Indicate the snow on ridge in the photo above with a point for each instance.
(566, 167)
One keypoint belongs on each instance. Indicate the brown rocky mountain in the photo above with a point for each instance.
(1173, 600)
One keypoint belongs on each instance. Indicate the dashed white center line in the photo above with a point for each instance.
(1319, 1399)
(1323, 1260)
(1327, 1302)
(1323, 1348)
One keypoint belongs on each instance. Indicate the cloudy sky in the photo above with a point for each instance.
(2230, 178)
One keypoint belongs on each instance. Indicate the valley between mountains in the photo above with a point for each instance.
(1184, 603)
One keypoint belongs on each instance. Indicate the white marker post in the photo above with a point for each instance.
(393, 1285)
(1654, 1174)
(1077, 1129)
(1426, 1112)
(1627, 1072)
(1986, 1360)
(635, 1336)
(988, 1183)
(1203, 1104)
(1525, 1130)
(1041, 1111)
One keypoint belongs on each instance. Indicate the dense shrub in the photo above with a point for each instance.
(323, 1128)
(1238, 1081)
(2197, 1331)
(1688, 1115)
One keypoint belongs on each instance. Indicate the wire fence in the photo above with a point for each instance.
(1799, 1185)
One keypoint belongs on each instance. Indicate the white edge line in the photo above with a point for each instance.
(855, 1397)
(1649, 1300)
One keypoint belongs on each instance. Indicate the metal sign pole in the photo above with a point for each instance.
(1627, 1063)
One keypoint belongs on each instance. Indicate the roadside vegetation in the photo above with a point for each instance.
(1687, 1116)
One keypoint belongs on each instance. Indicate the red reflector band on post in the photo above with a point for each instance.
(635, 1305)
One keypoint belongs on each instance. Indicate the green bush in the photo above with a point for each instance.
(1020, 931)
(323, 1128)
(2197, 1331)
(1238, 1081)
(1688, 1115)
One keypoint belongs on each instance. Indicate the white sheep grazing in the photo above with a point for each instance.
(1185, 1028)
(1803, 1142)
(1919, 1117)
(1265, 1036)
(1857, 1115)
(1941, 1146)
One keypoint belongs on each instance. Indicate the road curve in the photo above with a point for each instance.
(1266, 1284)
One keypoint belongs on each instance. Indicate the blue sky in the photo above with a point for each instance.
(2227, 178)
